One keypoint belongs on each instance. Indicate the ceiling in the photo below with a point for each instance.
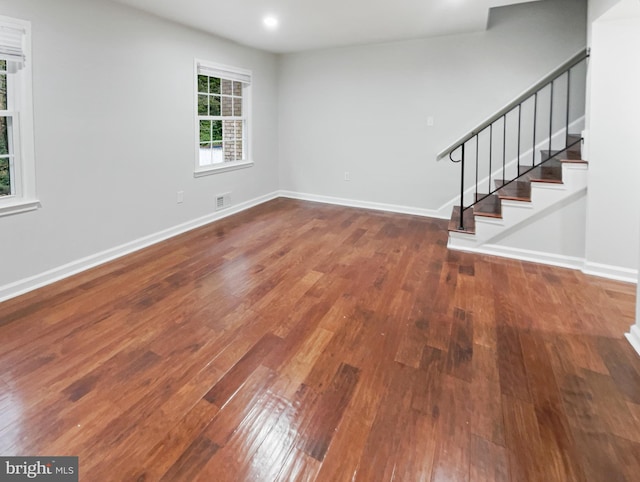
(315, 24)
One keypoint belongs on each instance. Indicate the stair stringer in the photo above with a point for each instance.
(544, 196)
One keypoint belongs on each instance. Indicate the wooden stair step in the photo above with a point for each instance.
(550, 172)
(563, 156)
(469, 221)
(514, 191)
(573, 138)
(489, 206)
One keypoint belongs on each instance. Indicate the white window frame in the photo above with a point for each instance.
(213, 69)
(20, 109)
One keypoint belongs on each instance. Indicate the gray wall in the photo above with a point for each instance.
(114, 131)
(364, 109)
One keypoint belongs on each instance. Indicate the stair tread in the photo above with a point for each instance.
(514, 191)
(550, 172)
(563, 156)
(469, 221)
(489, 206)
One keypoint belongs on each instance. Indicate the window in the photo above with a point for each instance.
(223, 97)
(17, 166)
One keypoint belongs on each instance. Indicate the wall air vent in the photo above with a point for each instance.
(223, 201)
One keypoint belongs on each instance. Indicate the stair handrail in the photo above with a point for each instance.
(550, 77)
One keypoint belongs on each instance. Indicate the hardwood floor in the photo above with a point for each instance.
(300, 341)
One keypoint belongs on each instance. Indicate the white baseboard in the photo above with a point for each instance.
(634, 337)
(612, 272)
(616, 273)
(25, 285)
(355, 203)
(526, 255)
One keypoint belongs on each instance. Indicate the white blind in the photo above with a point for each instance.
(224, 73)
(12, 44)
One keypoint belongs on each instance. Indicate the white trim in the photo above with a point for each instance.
(223, 167)
(612, 272)
(634, 337)
(355, 203)
(595, 269)
(247, 117)
(228, 72)
(561, 261)
(19, 206)
(25, 285)
(21, 101)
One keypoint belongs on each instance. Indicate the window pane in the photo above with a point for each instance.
(237, 88)
(214, 85)
(203, 105)
(237, 106)
(227, 106)
(229, 152)
(205, 154)
(203, 84)
(226, 86)
(5, 177)
(216, 130)
(239, 135)
(239, 156)
(205, 131)
(229, 130)
(216, 155)
(214, 105)
(3, 91)
(4, 136)
(3, 65)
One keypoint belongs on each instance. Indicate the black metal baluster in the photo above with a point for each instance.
(566, 132)
(519, 122)
(535, 121)
(461, 223)
(550, 118)
(490, 153)
(504, 146)
(475, 194)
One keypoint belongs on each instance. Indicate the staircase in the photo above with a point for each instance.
(502, 182)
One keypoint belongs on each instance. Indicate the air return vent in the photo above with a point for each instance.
(223, 201)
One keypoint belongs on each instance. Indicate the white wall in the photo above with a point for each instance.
(364, 109)
(114, 131)
(558, 232)
(613, 211)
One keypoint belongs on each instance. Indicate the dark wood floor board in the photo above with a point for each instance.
(460, 350)
(488, 462)
(622, 363)
(304, 341)
(513, 377)
(487, 421)
(611, 407)
(453, 456)
(525, 447)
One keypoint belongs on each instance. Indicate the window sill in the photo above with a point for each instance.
(229, 166)
(16, 206)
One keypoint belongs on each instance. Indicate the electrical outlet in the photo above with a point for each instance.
(180, 197)
(347, 176)
(430, 121)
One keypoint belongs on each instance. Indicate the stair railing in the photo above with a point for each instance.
(533, 100)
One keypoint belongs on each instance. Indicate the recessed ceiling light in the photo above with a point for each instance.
(270, 22)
